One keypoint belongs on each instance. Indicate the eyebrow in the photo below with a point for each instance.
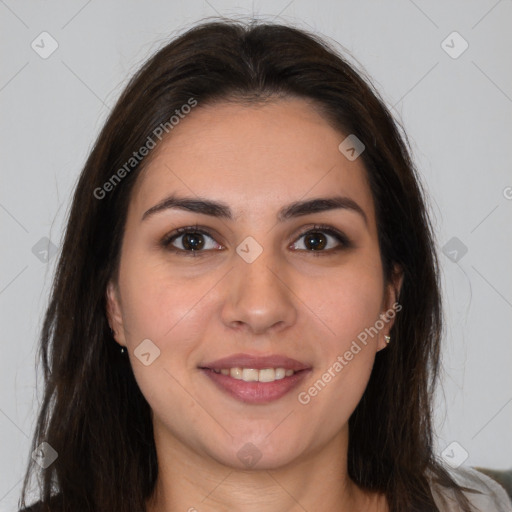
(223, 211)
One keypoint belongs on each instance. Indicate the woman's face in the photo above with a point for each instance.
(261, 271)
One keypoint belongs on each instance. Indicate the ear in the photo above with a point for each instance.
(114, 313)
(390, 305)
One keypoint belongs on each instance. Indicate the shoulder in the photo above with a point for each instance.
(484, 493)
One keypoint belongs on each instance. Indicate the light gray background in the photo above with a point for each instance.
(457, 113)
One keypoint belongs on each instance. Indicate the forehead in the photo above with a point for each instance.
(256, 158)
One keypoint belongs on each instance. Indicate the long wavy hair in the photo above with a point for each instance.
(93, 413)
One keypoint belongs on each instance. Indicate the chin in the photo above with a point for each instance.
(258, 455)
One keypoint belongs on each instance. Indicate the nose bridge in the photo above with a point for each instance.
(257, 294)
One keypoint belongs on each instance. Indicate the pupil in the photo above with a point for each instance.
(193, 241)
(312, 239)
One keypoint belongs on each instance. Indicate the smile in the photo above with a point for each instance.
(254, 375)
(254, 386)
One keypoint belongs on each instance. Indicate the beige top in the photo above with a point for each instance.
(494, 498)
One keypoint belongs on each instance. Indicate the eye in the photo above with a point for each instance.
(191, 239)
(196, 241)
(322, 239)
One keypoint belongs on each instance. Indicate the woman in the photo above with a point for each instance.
(246, 313)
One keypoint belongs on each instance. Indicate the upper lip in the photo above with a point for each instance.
(256, 362)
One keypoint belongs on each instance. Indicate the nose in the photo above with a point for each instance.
(258, 297)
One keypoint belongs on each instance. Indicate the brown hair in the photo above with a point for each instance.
(93, 413)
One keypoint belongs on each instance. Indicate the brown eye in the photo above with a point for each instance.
(190, 240)
(322, 240)
(315, 240)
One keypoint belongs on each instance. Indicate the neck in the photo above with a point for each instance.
(194, 482)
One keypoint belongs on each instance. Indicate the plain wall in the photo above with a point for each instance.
(457, 113)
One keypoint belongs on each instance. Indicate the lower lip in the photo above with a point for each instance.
(256, 392)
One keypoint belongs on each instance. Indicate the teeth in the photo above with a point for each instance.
(236, 373)
(253, 375)
(280, 373)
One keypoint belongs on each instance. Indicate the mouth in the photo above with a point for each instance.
(256, 380)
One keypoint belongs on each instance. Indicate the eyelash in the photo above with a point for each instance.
(340, 237)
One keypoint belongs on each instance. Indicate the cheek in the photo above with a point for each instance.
(169, 310)
(349, 306)
(158, 303)
(349, 301)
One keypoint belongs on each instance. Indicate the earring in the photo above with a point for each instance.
(388, 339)
(122, 350)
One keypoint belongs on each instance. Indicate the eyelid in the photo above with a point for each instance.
(344, 241)
(176, 233)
